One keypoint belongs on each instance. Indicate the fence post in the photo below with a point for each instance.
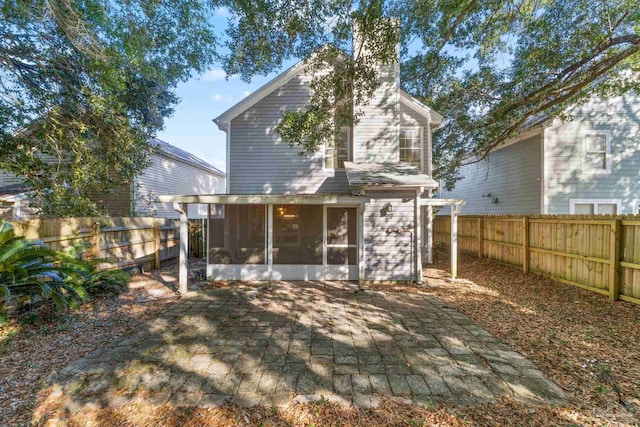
(614, 265)
(156, 238)
(95, 236)
(525, 244)
(480, 238)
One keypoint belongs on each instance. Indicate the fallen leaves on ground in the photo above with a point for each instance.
(581, 340)
(37, 343)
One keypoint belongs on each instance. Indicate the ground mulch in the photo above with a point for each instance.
(585, 343)
(36, 343)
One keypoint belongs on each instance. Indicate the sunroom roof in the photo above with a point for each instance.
(388, 174)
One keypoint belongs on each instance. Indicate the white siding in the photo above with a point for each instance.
(565, 175)
(388, 254)
(375, 136)
(7, 178)
(511, 174)
(166, 176)
(260, 163)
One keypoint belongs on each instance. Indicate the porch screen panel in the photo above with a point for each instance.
(237, 234)
(297, 234)
(342, 236)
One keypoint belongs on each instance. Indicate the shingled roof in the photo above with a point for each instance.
(180, 154)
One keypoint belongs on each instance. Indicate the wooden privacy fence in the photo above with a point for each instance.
(599, 253)
(197, 238)
(121, 242)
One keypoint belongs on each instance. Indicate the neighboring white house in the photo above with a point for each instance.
(351, 211)
(171, 170)
(589, 164)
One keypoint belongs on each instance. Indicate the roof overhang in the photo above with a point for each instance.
(434, 117)
(387, 175)
(253, 98)
(281, 79)
(253, 199)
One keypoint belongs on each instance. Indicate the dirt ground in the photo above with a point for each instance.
(580, 340)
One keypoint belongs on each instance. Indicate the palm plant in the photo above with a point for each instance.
(28, 268)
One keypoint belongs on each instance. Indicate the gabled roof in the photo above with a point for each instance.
(295, 70)
(422, 109)
(256, 96)
(180, 154)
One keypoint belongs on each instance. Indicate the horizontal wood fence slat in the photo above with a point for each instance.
(120, 242)
(600, 253)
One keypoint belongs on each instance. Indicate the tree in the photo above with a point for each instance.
(87, 82)
(84, 84)
(489, 67)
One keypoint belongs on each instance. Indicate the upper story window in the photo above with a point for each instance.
(597, 151)
(340, 152)
(410, 145)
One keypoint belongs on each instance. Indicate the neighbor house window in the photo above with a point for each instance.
(410, 146)
(597, 151)
(595, 206)
(336, 155)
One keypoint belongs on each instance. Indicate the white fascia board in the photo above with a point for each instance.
(422, 109)
(535, 130)
(256, 96)
(280, 199)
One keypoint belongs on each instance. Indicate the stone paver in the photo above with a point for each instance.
(304, 342)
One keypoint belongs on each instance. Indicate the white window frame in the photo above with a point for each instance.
(607, 155)
(595, 203)
(325, 241)
(348, 148)
(418, 129)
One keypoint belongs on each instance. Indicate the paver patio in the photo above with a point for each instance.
(302, 341)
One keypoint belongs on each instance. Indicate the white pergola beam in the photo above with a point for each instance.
(265, 199)
(183, 273)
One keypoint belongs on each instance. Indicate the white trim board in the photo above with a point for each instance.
(595, 203)
(293, 71)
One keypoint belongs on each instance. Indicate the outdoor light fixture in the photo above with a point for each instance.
(388, 208)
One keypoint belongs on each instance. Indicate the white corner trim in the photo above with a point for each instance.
(544, 190)
(227, 181)
(595, 203)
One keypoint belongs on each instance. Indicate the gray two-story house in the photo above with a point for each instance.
(586, 164)
(354, 210)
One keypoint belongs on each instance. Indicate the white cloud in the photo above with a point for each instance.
(223, 97)
(215, 74)
(245, 93)
(223, 11)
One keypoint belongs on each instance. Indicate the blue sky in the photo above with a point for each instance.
(204, 98)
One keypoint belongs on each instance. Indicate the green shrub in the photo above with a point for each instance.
(28, 269)
(112, 281)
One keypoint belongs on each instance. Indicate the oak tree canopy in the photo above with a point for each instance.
(87, 82)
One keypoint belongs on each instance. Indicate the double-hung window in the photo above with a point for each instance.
(597, 151)
(335, 155)
(410, 145)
